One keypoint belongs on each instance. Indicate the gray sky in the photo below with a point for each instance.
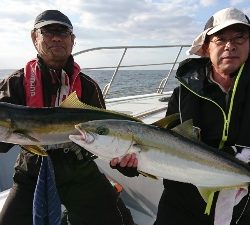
(107, 22)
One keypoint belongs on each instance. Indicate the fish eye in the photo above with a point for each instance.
(102, 130)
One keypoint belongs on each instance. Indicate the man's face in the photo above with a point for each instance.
(228, 49)
(54, 43)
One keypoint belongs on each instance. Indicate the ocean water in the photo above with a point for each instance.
(126, 82)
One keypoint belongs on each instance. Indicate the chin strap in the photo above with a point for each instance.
(209, 203)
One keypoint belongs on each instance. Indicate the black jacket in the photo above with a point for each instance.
(203, 101)
(12, 91)
(208, 106)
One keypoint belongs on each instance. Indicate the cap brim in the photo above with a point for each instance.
(197, 44)
(224, 25)
(45, 23)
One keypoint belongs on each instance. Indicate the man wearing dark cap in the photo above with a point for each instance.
(214, 92)
(45, 82)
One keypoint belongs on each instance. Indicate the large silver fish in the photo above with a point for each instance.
(162, 153)
(47, 126)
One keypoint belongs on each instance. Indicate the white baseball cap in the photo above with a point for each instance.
(220, 20)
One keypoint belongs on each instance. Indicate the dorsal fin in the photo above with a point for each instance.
(72, 101)
(168, 121)
(186, 129)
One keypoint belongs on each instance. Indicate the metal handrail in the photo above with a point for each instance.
(105, 92)
(127, 66)
(163, 82)
(128, 47)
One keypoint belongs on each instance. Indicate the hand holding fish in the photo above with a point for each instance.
(128, 160)
(126, 165)
(244, 155)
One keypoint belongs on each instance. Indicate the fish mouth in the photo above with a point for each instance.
(85, 136)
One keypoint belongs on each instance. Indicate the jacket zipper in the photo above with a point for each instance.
(228, 116)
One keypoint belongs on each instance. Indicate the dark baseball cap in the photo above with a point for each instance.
(52, 17)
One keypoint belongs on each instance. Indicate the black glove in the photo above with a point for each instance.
(127, 171)
(232, 150)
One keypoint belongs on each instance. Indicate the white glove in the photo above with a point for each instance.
(228, 198)
(244, 155)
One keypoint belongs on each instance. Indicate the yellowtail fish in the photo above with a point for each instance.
(162, 153)
(29, 126)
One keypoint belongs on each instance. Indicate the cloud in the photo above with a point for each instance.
(207, 2)
(236, 2)
(122, 20)
(104, 22)
(135, 19)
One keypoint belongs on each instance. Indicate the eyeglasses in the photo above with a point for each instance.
(51, 33)
(239, 40)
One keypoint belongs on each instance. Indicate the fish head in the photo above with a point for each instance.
(103, 138)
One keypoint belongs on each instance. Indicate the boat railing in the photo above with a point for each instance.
(116, 68)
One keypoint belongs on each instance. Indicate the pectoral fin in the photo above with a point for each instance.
(24, 134)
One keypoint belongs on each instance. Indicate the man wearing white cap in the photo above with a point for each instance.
(214, 92)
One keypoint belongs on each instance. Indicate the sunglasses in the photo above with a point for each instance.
(49, 33)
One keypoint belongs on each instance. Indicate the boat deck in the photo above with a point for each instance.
(149, 108)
